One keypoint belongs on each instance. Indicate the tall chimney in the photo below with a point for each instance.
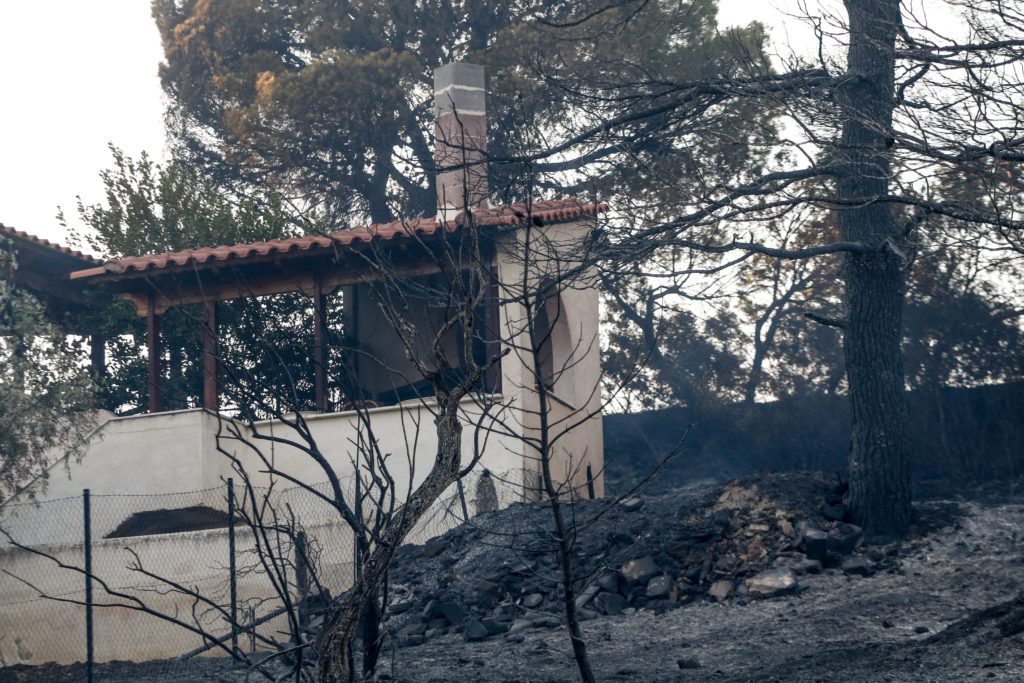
(460, 138)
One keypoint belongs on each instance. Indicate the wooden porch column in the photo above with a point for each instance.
(320, 345)
(153, 345)
(98, 355)
(211, 388)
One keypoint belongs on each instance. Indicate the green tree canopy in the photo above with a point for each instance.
(46, 392)
(330, 103)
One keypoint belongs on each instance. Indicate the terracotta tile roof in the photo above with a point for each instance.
(548, 211)
(20, 235)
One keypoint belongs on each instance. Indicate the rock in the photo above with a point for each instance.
(400, 607)
(412, 641)
(640, 570)
(629, 611)
(662, 588)
(856, 566)
(586, 614)
(520, 625)
(515, 637)
(412, 630)
(631, 504)
(440, 622)
(587, 595)
(533, 600)
(801, 564)
(610, 603)
(887, 624)
(608, 581)
(815, 543)
(546, 621)
(921, 629)
(434, 547)
(687, 663)
(662, 606)
(453, 612)
(434, 632)
(1013, 623)
(834, 511)
(473, 630)
(495, 626)
(844, 539)
(786, 527)
(772, 582)
(721, 590)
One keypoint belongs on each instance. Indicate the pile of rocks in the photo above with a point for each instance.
(750, 539)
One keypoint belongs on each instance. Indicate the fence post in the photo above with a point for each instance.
(87, 547)
(301, 580)
(590, 482)
(462, 499)
(358, 531)
(232, 573)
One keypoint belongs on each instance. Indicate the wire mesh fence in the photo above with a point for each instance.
(183, 577)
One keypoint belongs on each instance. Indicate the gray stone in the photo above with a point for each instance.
(640, 570)
(721, 590)
(844, 539)
(533, 600)
(495, 626)
(815, 543)
(434, 632)
(587, 595)
(772, 582)
(515, 637)
(662, 588)
(412, 630)
(434, 547)
(546, 621)
(836, 511)
(452, 611)
(412, 641)
(587, 614)
(608, 581)
(520, 625)
(857, 566)
(687, 663)
(610, 603)
(473, 630)
(631, 504)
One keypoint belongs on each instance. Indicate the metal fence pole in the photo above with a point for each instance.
(87, 546)
(462, 499)
(358, 531)
(232, 573)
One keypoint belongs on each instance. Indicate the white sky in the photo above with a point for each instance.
(78, 74)
(74, 75)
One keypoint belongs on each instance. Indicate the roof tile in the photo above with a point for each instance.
(548, 211)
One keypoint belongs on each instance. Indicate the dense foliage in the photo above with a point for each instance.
(46, 392)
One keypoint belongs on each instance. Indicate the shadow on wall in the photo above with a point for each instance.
(960, 436)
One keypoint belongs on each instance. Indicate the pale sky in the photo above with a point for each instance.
(76, 75)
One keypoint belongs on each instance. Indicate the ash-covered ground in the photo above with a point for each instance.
(757, 580)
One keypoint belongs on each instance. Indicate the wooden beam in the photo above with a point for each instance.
(153, 347)
(320, 345)
(179, 294)
(98, 355)
(211, 388)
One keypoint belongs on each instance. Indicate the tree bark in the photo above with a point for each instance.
(874, 281)
(336, 661)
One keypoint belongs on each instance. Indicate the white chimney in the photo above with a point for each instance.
(460, 138)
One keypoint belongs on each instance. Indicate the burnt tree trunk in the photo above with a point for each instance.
(874, 280)
(336, 661)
